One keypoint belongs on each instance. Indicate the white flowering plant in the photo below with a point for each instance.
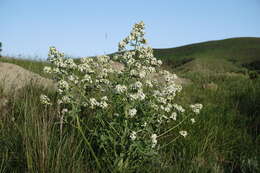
(121, 113)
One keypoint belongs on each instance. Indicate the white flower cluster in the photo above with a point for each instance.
(128, 95)
(133, 135)
(132, 112)
(94, 103)
(154, 140)
(120, 89)
(196, 108)
(45, 100)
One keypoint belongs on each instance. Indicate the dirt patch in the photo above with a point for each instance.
(13, 77)
(180, 81)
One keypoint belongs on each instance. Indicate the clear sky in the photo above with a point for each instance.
(86, 28)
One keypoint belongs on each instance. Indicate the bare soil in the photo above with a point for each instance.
(13, 77)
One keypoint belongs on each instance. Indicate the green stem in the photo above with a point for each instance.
(88, 144)
(170, 142)
(167, 131)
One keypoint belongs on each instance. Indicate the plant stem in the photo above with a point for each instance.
(88, 144)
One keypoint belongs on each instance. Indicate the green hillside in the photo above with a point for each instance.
(224, 55)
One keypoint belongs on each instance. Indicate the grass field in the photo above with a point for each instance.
(225, 137)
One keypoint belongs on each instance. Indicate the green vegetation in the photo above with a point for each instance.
(0, 49)
(225, 138)
(234, 52)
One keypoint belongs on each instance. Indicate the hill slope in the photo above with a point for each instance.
(230, 54)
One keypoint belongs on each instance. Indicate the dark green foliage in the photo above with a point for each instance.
(253, 75)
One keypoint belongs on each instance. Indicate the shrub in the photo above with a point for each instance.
(121, 114)
(252, 75)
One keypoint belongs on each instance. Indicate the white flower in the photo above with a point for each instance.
(168, 108)
(133, 135)
(73, 79)
(65, 99)
(137, 85)
(63, 86)
(137, 96)
(161, 100)
(183, 133)
(120, 89)
(104, 98)
(121, 45)
(196, 108)
(192, 120)
(144, 125)
(149, 83)
(133, 72)
(142, 74)
(154, 140)
(173, 116)
(179, 108)
(87, 78)
(132, 112)
(103, 104)
(47, 70)
(93, 103)
(45, 100)
(63, 111)
(70, 63)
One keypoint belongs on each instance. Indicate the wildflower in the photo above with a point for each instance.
(64, 111)
(144, 125)
(70, 64)
(161, 100)
(65, 99)
(93, 103)
(173, 116)
(133, 135)
(104, 98)
(149, 83)
(121, 45)
(183, 133)
(103, 104)
(120, 89)
(132, 112)
(47, 70)
(168, 108)
(142, 74)
(62, 86)
(134, 72)
(192, 120)
(179, 108)
(137, 96)
(45, 100)
(137, 85)
(73, 79)
(196, 108)
(87, 78)
(154, 140)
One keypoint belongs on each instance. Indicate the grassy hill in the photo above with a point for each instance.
(221, 55)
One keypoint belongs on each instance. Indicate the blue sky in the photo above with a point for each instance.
(86, 28)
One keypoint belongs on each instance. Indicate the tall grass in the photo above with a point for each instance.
(226, 138)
